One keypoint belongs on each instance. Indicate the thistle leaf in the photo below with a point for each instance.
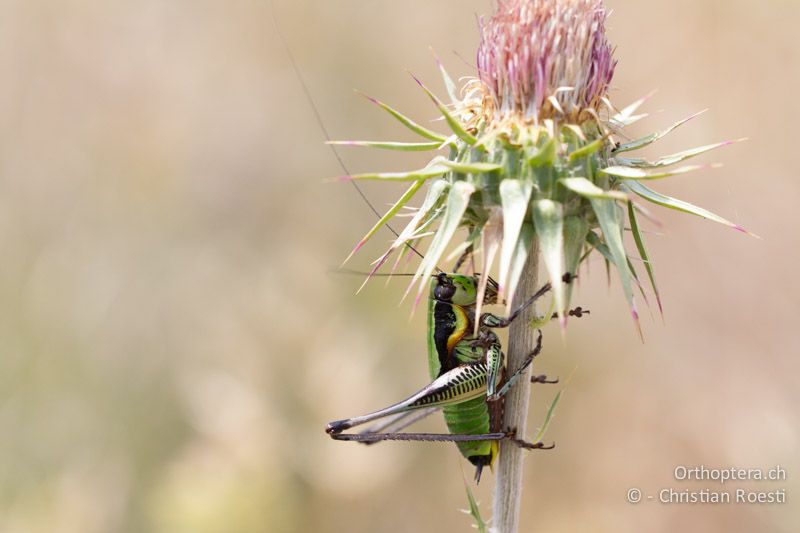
(628, 173)
(598, 244)
(523, 249)
(674, 158)
(457, 203)
(454, 123)
(407, 122)
(398, 205)
(608, 216)
(587, 150)
(491, 238)
(650, 139)
(637, 237)
(577, 130)
(545, 155)
(422, 230)
(548, 220)
(396, 146)
(452, 91)
(631, 120)
(396, 265)
(471, 168)
(515, 196)
(639, 285)
(679, 205)
(413, 175)
(432, 199)
(575, 230)
(626, 116)
(377, 264)
(587, 189)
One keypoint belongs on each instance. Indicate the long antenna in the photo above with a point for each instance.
(318, 117)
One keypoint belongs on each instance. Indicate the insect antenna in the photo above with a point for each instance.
(347, 271)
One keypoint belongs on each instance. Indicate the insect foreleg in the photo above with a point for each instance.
(518, 372)
(494, 321)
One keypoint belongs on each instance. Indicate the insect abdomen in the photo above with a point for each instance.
(471, 418)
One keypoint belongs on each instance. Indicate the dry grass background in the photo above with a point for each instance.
(172, 341)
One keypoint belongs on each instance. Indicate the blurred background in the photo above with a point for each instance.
(173, 341)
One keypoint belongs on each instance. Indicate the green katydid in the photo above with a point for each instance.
(467, 371)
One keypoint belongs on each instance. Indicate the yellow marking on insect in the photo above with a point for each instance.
(495, 452)
(460, 329)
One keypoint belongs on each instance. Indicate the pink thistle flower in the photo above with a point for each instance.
(545, 58)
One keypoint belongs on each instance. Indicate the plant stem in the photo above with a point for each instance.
(522, 339)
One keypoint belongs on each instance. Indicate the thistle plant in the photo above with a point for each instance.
(535, 164)
(536, 152)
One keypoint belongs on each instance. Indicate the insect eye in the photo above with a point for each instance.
(444, 289)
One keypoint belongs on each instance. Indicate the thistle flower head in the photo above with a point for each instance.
(545, 58)
(536, 154)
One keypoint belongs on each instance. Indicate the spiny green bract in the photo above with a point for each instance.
(535, 159)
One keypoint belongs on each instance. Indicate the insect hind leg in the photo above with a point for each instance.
(398, 423)
(369, 438)
(510, 435)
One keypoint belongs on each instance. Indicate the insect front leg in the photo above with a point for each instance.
(518, 372)
(493, 321)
